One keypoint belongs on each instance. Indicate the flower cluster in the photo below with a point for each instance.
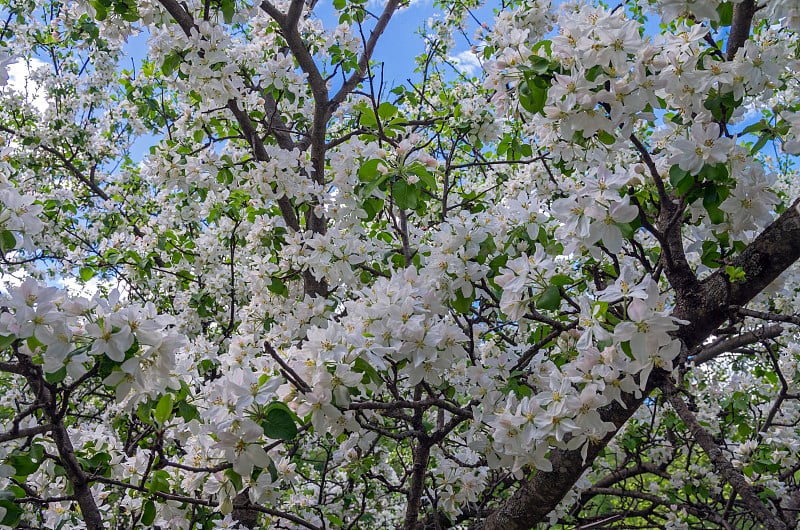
(66, 334)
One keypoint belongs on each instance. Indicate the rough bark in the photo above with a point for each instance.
(771, 253)
(242, 513)
(66, 452)
(733, 477)
(740, 26)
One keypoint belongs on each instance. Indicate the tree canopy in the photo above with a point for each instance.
(556, 291)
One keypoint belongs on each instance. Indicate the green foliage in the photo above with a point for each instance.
(278, 422)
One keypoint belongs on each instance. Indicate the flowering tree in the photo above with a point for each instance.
(560, 293)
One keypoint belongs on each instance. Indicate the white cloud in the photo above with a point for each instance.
(75, 288)
(5, 61)
(466, 61)
(19, 81)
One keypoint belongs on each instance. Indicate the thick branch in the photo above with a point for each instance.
(363, 61)
(673, 257)
(624, 474)
(250, 133)
(288, 24)
(421, 454)
(537, 496)
(72, 468)
(181, 16)
(771, 253)
(11, 368)
(711, 352)
(13, 434)
(740, 26)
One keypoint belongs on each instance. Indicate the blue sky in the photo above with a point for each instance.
(401, 42)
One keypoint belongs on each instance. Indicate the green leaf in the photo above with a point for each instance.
(86, 273)
(361, 366)
(406, 195)
(278, 287)
(163, 409)
(760, 143)
(424, 175)
(57, 376)
(498, 262)
(560, 280)
(550, 299)
(681, 180)
(6, 341)
(533, 94)
(735, 274)
(159, 481)
(24, 463)
(228, 9)
(712, 198)
(278, 423)
(546, 44)
(7, 241)
(721, 105)
(710, 256)
(725, 11)
(171, 62)
(187, 412)
(716, 172)
(13, 514)
(461, 303)
(367, 118)
(369, 169)
(374, 184)
(148, 513)
(538, 65)
(606, 137)
(756, 127)
(101, 11)
(513, 385)
(372, 205)
(130, 16)
(716, 215)
(386, 111)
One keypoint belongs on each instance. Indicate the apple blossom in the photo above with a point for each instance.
(249, 281)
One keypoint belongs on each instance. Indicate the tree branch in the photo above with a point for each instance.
(181, 16)
(712, 351)
(13, 434)
(771, 253)
(722, 464)
(363, 61)
(250, 133)
(740, 26)
(72, 468)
